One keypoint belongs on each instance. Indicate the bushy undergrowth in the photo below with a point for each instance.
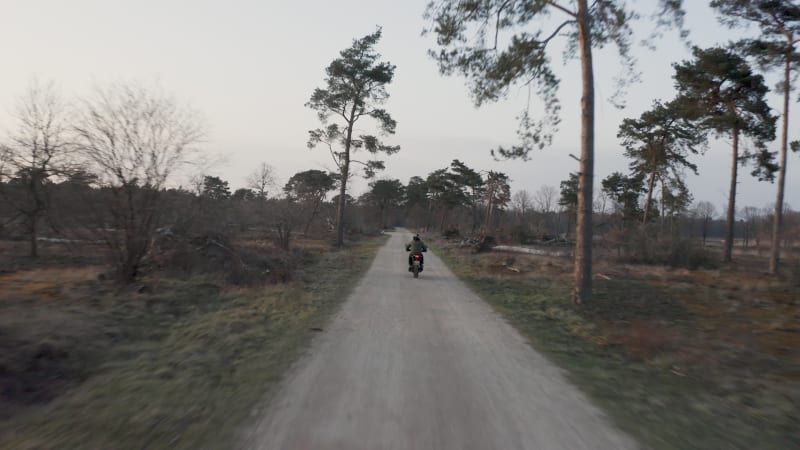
(181, 364)
(640, 246)
(241, 262)
(680, 359)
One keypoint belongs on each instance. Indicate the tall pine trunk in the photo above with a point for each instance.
(341, 205)
(345, 172)
(662, 212)
(777, 220)
(313, 215)
(650, 185)
(728, 253)
(489, 207)
(583, 230)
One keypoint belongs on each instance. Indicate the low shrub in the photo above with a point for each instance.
(643, 247)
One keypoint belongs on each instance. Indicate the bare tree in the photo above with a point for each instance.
(705, 211)
(545, 198)
(37, 151)
(522, 202)
(750, 217)
(135, 138)
(5, 159)
(195, 182)
(286, 220)
(261, 180)
(600, 202)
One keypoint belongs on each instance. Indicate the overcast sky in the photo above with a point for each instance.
(250, 65)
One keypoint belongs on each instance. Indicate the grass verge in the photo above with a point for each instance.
(183, 365)
(661, 386)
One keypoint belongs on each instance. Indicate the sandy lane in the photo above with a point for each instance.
(426, 364)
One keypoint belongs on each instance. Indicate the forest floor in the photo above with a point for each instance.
(172, 361)
(680, 359)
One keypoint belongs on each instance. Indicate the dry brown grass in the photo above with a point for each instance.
(46, 334)
(701, 358)
(44, 282)
(176, 360)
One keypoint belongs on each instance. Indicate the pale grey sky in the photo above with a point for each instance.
(249, 66)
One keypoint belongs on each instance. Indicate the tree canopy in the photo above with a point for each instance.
(355, 88)
(497, 44)
(215, 188)
(718, 91)
(385, 194)
(779, 23)
(658, 144)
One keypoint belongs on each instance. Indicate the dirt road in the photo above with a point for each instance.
(425, 364)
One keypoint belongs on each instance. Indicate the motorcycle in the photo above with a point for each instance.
(416, 262)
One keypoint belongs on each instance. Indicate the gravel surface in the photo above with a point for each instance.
(426, 364)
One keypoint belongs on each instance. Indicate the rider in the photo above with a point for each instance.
(416, 246)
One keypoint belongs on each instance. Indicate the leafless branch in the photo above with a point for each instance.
(135, 138)
(555, 33)
(561, 8)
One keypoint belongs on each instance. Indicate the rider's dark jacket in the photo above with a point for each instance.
(416, 246)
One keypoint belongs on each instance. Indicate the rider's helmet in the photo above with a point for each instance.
(416, 237)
